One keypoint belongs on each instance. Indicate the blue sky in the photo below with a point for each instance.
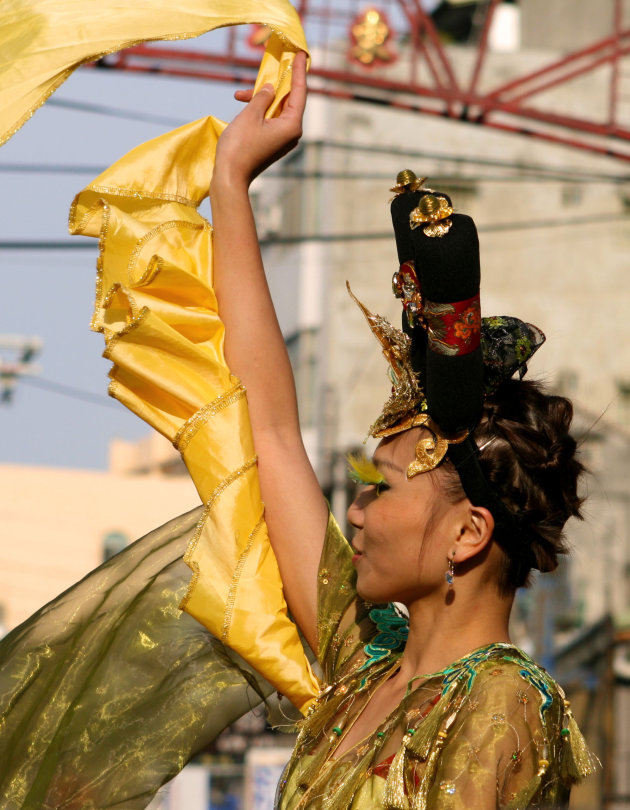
(49, 294)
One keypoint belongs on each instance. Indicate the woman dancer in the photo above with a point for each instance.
(487, 728)
(442, 713)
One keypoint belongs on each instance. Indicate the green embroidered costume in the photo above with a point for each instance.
(492, 722)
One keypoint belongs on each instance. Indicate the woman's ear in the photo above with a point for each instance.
(476, 532)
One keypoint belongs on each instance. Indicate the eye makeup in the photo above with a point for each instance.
(364, 471)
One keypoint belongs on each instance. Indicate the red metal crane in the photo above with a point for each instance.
(393, 52)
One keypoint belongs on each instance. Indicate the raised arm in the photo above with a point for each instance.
(295, 508)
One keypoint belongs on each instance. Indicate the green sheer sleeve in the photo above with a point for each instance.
(109, 690)
(505, 746)
(343, 624)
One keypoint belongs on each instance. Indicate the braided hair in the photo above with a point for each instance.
(530, 458)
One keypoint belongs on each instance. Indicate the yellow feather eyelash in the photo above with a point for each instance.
(363, 470)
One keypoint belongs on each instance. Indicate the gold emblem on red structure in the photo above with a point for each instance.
(370, 32)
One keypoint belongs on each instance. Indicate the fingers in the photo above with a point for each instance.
(297, 97)
(261, 101)
(244, 95)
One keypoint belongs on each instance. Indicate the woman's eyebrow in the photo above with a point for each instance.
(385, 463)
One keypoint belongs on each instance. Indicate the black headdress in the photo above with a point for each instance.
(447, 358)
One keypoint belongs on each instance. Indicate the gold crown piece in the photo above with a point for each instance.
(407, 181)
(406, 406)
(433, 212)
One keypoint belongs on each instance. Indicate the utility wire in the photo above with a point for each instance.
(61, 244)
(69, 391)
(371, 236)
(49, 168)
(386, 177)
(565, 174)
(115, 112)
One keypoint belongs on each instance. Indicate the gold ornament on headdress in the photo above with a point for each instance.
(407, 181)
(434, 210)
(407, 397)
(406, 407)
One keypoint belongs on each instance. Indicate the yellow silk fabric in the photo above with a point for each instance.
(43, 41)
(158, 313)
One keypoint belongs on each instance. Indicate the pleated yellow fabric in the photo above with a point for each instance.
(157, 310)
(43, 41)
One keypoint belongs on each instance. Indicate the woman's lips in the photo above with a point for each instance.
(356, 558)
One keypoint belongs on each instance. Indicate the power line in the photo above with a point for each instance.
(69, 391)
(567, 173)
(61, 244)
(49, 168)
(115, 112)
(369, 236)
(386, 177)
(564, 174)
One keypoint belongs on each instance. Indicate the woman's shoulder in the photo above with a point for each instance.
(503, 680)
(503, 719)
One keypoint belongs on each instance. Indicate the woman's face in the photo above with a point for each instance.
(405, 528)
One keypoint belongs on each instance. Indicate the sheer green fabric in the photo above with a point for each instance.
(110, 689)
(490, 731)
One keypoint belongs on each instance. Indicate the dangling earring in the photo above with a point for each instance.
(450, 572)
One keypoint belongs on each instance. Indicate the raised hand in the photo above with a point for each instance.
(252, 142)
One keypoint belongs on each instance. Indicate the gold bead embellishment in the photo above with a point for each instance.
(407, 181)
(432, 212)
(429, 208)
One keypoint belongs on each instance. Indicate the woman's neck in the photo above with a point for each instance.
(441, 631)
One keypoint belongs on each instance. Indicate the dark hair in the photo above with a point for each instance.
(529, 456)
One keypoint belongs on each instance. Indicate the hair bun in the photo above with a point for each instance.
(560, 452)
(545, 555)
(529, 457)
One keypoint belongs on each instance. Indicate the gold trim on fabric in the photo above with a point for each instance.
(107, 212)
(194, 540)
(132, 305)
(121, 47)
(281, 35)
(186, 432)
(163, 226)
(144, 195)
(78, 228)
(112, 338)
(229, 605)
(39, 103)
(112, 388)
(92, 58)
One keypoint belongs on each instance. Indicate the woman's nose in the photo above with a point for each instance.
(355, 510)
(355, 513)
